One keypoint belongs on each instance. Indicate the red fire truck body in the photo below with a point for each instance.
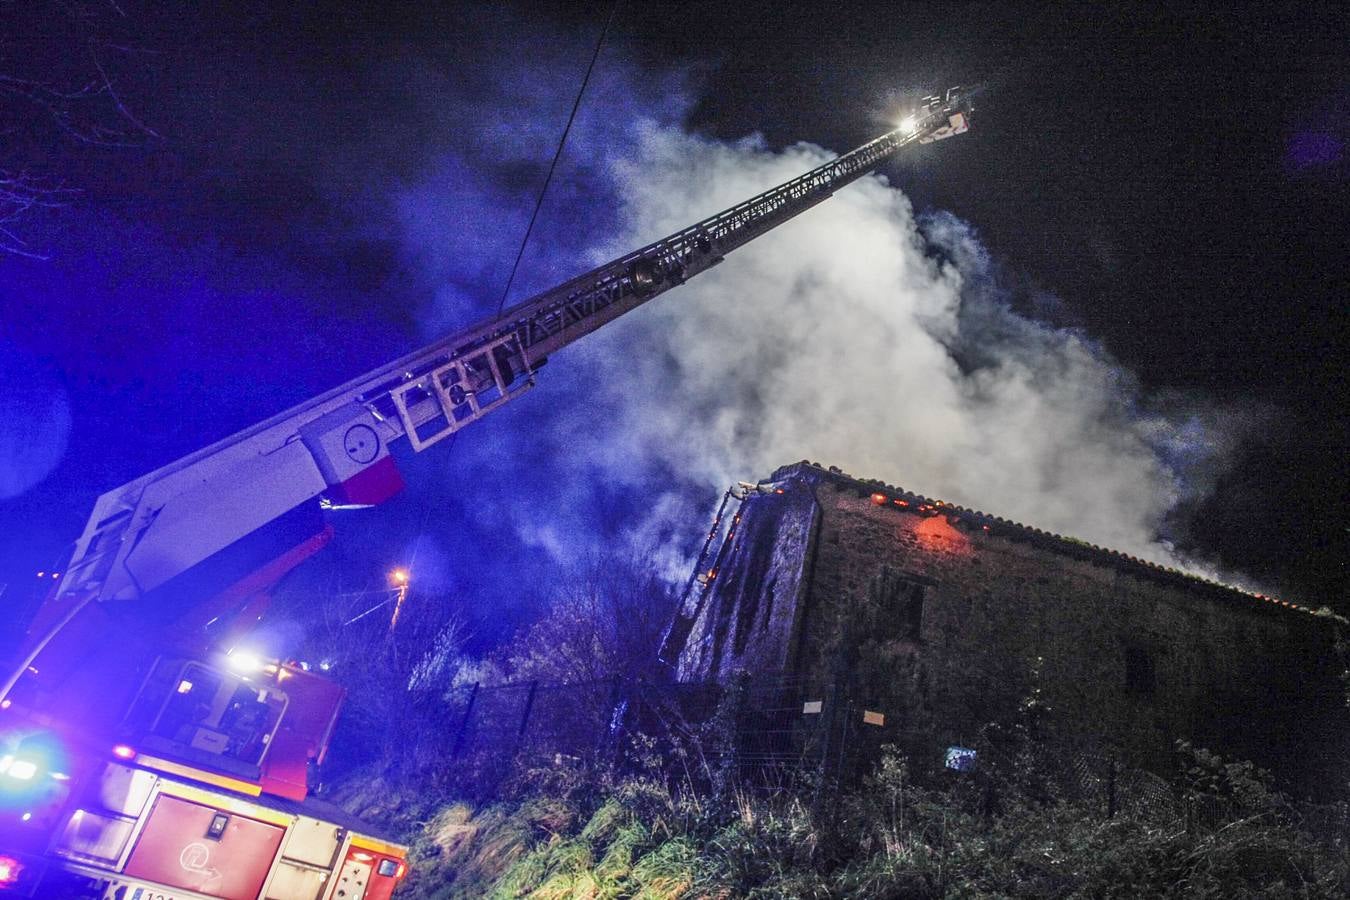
(137, 830)
(209, 802)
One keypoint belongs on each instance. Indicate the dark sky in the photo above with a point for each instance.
(1171, 182)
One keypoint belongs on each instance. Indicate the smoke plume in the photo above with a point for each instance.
(858, 335)
(862, 336)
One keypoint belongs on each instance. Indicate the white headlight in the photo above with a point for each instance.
(243, 661)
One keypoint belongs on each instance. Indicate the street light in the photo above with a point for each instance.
(400, 578)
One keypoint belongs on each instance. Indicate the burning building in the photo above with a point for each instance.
(942, 618)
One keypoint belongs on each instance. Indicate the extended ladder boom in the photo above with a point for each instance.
(336, 446)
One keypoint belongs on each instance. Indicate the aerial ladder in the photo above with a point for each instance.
(85, 680)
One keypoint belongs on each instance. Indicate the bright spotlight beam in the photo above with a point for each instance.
(244, 661)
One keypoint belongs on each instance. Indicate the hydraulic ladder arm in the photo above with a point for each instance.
(336, 446)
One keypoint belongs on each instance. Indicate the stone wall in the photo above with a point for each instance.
(747, 619)
(938, 621)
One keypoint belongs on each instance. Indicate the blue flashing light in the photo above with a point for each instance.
(33, 771)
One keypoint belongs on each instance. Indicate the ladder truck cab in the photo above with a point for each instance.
(144, 752)
(199, 791)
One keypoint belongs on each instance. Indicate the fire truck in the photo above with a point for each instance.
(145, 754)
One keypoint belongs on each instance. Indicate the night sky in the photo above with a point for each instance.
(326, 188)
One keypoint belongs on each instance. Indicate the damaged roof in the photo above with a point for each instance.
(1070, 546)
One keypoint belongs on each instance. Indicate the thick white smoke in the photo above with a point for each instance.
(859, 337)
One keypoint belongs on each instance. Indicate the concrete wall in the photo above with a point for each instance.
(823, 583)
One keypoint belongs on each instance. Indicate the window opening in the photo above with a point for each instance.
(901, 598)
(208, 711)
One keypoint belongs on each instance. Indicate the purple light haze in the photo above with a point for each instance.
(1314, 149)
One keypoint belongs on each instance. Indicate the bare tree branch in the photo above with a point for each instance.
(21, 192)
(56, 88)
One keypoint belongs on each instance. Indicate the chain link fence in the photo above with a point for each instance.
(768, 734)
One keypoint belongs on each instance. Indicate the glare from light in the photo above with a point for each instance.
(22, 769)
(184, 687)
(908, 124)
(25, 817)
(399, 576)
(244, 661)
(122, 751)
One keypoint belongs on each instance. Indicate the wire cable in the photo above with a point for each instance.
(548, 178)
(562, 142)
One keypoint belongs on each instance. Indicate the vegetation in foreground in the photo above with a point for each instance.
(682, 825)
(897, 834)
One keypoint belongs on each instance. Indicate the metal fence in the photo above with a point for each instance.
(766, 733)
(760, 731)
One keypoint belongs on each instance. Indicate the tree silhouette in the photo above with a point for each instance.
(58, 96)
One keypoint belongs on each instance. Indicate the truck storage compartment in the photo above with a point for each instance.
(202, 849)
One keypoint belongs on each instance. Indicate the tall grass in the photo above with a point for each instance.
(900, 833)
